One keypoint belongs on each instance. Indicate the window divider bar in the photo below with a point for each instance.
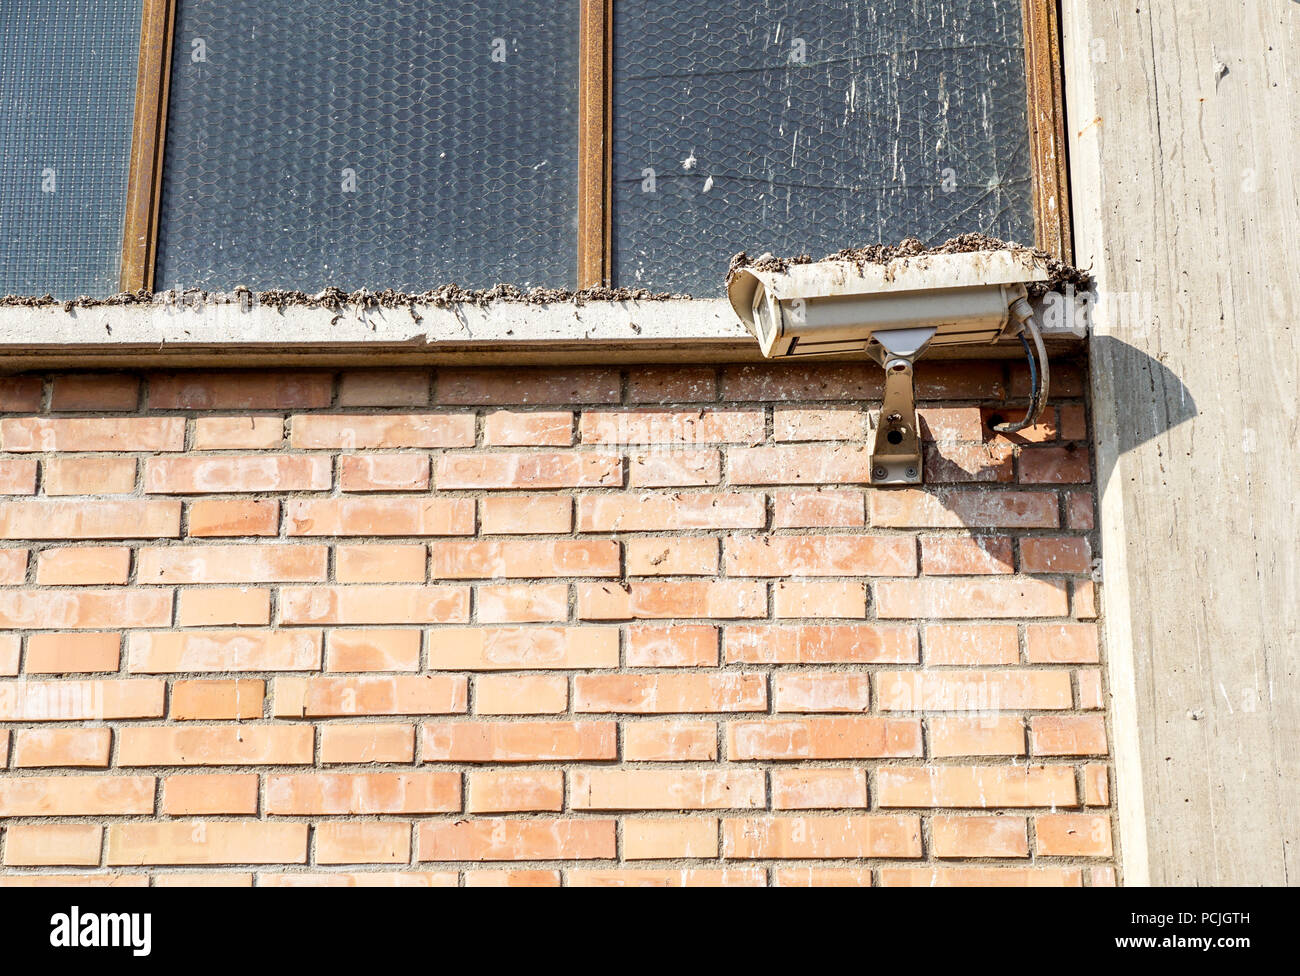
(595, 167)
(1046, 91)
(144, 181)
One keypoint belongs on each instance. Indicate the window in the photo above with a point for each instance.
(408, 143)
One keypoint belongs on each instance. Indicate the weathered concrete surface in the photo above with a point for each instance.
(700, 330)
(1185, 154)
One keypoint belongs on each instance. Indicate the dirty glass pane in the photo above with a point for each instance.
(805, 126)
(371, 144)
(67, 98)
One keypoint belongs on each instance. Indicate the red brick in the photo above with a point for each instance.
(237, 473)
(679, 740)
(520, 648)
(203, 794)
(674, 469)
(21, 394)
(646, 426)
(1068, 735)
(673, 646)
(1096, 785)
(42, 844)
(796, 424)
(661, 556)
(515, 790)
(355, 431)
(384, 388)
(818, 789)
(830, 508)
(1055, 465)
(233, 517)
(252, 390)
(662, 693)
(972, 555)
(374, 604)
(367, 842)
(947, 424)
(11, 647)
(95, 391)
(976, 786)
(1083, 601)
(842, 644)
(509, 879)
(984, 735)
(498, 385)
(667, 789)
(834, 692)
(979, 836)
(73, 653)
(249, 433)
(659, 599)
(83, 566)
(367, 743)
(75, 796)
(933, 691)
(960, 381)
(505, 428)
(85, 609)
(80, 701)
(417, 515)
(821, 555)
(272, 563)
(642, 513)
(18, 476)
(980, 877)
(1062, 643)
(1055, 555)
(384, 472)
(529, 471)
(516, 840)
(1079, 511)
(214, 745)
(858, 737)
(968, 463)
(522, 603)
(667, 878)
(373, 650)
(971, 644)
(213, 842)
(845, 599)
(821, 837)
(970, 598)
(92, 434)
(1090, 690)
(363, 879)
(61, 747)
(223, 606)
(523, 559)
(497, 742)
(362, 793)
(90, 520)
(665, 838)
(672, 384)
(386, 695)
(216, 699)
(793, 382)
(810, 464)
(13, 566)
(955, 508)
(223, 650)
(806, 877)
(89, 476)
(373, 563)
(1073, 835)
(527, 515)
(520, 694)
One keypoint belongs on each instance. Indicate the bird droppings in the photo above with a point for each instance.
(1062, 274)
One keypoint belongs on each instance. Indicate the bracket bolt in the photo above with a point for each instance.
(879, 472)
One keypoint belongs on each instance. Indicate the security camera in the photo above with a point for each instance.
(893, 313)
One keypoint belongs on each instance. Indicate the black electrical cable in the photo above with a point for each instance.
(1038, 383)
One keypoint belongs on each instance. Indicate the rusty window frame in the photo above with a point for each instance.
(1046, 114)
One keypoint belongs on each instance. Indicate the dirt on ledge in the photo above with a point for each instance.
(1062, 274)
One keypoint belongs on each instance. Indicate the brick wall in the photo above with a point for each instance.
(510, 626)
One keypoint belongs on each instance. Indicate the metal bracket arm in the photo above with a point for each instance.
(896, 453)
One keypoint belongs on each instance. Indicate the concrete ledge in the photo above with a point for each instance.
(701, 330)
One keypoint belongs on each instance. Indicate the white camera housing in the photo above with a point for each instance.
(891, 312)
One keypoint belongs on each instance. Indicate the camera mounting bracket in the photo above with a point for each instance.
(896, 452)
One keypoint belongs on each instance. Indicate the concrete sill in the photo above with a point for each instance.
(700, 330)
